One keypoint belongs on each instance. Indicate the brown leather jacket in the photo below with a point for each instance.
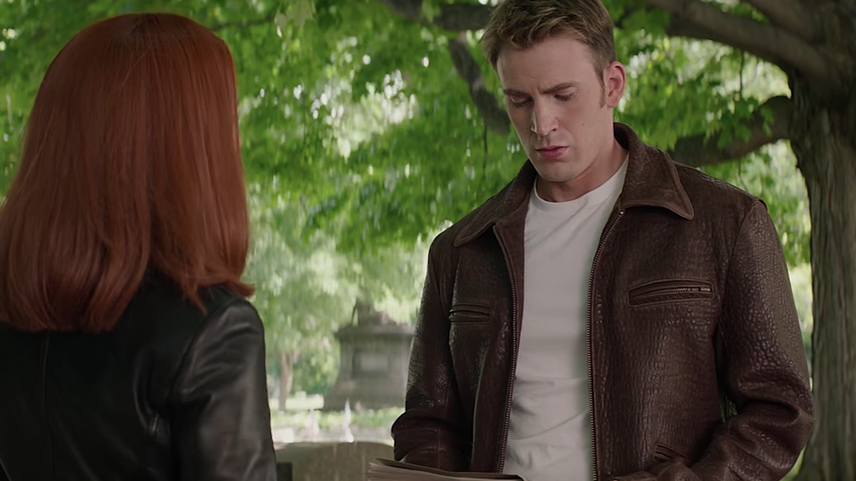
(696, 366)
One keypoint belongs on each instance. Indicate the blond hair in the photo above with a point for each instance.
(521, 24)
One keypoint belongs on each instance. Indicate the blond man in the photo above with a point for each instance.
(610, 314)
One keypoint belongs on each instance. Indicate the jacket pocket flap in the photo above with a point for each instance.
(469, 312)
(670, 290)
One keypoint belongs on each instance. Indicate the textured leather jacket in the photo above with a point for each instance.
(168, 394)
(696, 366)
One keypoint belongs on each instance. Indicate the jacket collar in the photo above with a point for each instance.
(652, 180)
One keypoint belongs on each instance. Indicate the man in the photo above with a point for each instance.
(610, 314)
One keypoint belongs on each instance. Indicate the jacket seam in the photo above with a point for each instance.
(449, 369)
(725, 289)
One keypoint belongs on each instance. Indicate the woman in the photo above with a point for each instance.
(127, 348)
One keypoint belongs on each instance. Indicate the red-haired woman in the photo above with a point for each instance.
(127, 348)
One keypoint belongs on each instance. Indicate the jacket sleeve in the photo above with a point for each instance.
(221, 417)
(763, 368)
(432, 430)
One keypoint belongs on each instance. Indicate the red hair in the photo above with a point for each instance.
(131, 161)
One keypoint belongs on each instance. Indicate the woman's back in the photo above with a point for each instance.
(154, 399)
(131, 166)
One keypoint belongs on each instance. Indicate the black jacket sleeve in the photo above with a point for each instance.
(221, 417)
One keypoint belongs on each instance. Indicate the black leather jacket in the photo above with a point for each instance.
(168, 394)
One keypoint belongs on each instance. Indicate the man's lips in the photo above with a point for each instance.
(552, 153)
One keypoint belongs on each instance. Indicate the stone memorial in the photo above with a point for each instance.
(373, 362)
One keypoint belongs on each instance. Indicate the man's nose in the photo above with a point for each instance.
(543, 120)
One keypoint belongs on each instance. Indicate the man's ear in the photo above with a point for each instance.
(614, 80)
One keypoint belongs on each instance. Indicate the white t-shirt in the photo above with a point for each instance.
(549, 437)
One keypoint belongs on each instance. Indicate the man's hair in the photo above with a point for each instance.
(521, 24)
(131, 162)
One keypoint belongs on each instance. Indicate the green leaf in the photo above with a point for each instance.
(429, 10)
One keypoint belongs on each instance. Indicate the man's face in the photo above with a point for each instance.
(561, 110)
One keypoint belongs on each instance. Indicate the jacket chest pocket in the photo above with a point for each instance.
(470, 332)
(670, 291)
(469, 327)
(469, 312)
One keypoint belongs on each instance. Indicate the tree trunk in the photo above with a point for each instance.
(825, 145)
(286, 376)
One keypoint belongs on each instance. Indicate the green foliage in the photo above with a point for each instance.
(298, 293)
(316, 368)
(306, 287)
(772, 175)
(361, 115)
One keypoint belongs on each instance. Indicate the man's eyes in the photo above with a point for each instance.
(522, 101)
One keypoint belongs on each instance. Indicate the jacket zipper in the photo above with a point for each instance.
(510, 390)
(589, 342)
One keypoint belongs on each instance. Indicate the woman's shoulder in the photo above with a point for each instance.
(161, 313)
(162, 296)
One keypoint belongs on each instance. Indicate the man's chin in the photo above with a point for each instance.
(553, 171)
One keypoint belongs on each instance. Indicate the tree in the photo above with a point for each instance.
(306, 288)
(298, 293)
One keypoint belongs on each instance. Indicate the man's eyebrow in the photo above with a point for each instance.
(550, 90)
(562, 86)
(514, 93)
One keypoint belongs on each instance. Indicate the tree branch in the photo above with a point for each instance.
(494, 116)
(697, 151)
(761, 39)
(688, 18)
(706, 22)
(792, 15)
(675, 27)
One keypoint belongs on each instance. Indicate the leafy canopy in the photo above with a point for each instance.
(361, 116)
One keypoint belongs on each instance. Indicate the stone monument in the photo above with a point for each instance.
(373, 362)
